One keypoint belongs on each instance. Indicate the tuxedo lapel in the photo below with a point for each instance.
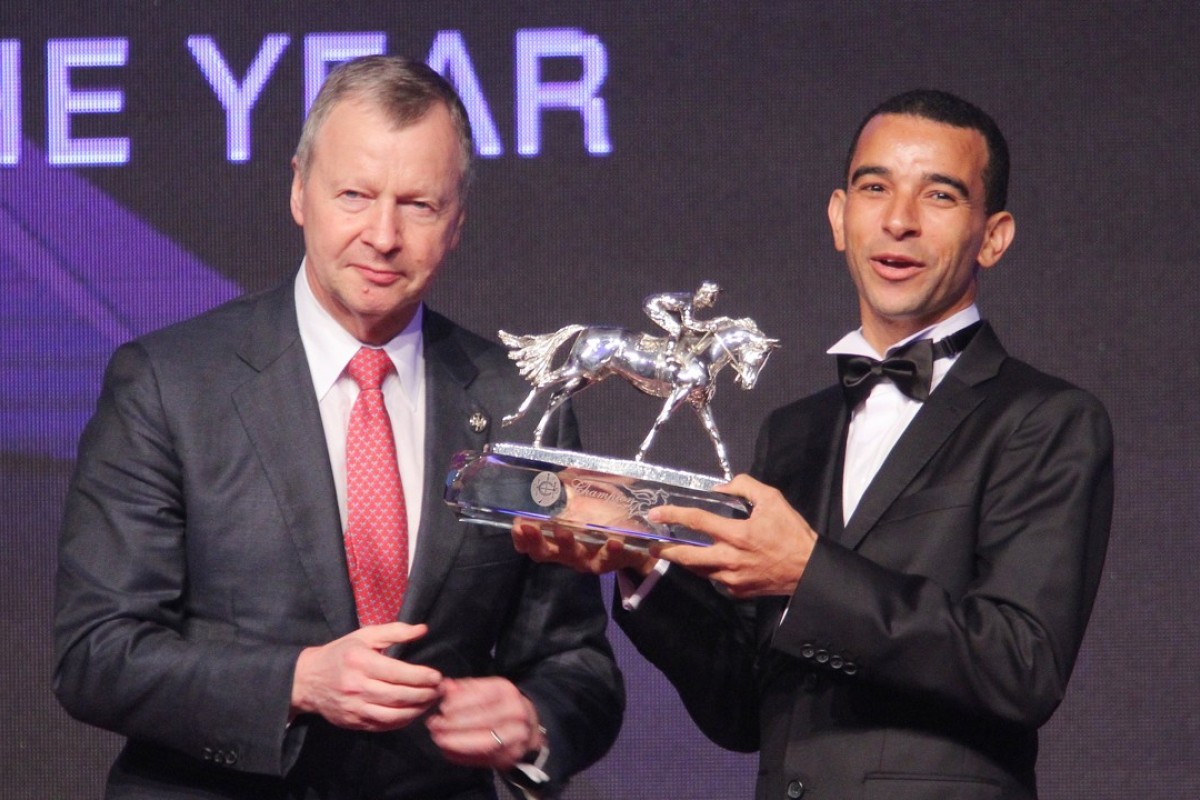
(804, 462)
(449, 408)
(798, 454)
(825, 456)
(954, 399)
(280, 414)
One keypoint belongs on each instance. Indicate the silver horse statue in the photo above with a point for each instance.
(686, 371)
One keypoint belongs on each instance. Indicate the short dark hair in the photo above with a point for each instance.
(405, 89)
(949, 109)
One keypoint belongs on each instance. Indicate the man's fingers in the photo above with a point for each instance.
(418, 683)
(754, 492)
(407, 700)
(351, 683)
(381, 637)
(522, 536)
(528, 539)
(484, 722)
(693, 557)
(696, 519)
(677, 515)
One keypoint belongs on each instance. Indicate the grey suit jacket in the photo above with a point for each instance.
(201, 551)
(928, 640)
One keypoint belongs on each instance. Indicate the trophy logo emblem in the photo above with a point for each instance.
(546, 489)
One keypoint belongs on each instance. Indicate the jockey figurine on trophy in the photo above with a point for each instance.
(674, 313)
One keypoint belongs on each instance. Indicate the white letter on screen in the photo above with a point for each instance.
(63, 55)
(532, 45)
(323, 49)
(10, 101)
(237, 98)
(449, 57)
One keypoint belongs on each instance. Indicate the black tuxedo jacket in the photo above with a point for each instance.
(929, 639)
(202, 550)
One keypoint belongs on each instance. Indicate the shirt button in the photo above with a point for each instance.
(835, 662)
(807, 650)
(822, 656)
(795, 790)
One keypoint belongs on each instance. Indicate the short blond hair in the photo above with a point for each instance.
(404, 89)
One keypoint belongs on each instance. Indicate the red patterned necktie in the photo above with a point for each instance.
(377, 520)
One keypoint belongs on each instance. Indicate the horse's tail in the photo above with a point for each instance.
(533, 353)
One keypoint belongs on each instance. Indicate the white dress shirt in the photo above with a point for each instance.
(879, 421)
(329, 348)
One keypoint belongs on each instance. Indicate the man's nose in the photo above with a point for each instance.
(383, 230)
(903, 218)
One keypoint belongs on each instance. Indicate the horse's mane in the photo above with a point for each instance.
(745, 323)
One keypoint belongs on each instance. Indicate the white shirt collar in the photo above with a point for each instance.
(855, 344)
(330, 347)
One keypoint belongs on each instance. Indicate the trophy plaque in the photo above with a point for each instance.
(598, 497)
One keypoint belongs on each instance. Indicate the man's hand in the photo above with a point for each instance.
(763, 555)
(485, 722)
(564, 548)
(352, 684)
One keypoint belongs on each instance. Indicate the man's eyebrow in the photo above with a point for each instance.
(930, 177)
(937, 177)
(861, 171)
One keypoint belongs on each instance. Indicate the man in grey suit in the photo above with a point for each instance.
(209, 607)
(926, 540)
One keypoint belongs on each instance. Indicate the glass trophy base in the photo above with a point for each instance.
(595, 497)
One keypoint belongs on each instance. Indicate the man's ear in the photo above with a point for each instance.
(837, 208)
(297, 200)
(997, 236)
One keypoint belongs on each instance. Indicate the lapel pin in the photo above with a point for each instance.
(478, 422)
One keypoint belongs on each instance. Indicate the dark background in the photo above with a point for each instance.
(729, 124)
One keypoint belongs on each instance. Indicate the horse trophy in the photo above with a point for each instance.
(596, 496)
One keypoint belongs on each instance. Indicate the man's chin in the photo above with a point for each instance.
(378, 323)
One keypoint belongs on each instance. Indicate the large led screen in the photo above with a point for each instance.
(625, 148)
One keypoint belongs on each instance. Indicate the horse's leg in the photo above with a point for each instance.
(710, 425)
(524, 407)
(557, 376)
(674, 400)
(560, 396)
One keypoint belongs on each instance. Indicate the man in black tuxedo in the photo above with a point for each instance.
(234, 595)
(926, 540)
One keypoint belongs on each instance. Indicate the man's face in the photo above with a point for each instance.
(381, 208)
(912, 223)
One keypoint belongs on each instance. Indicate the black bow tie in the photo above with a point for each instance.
(910, 367)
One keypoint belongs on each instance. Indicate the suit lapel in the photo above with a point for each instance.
(804, 463)
(799, 454)
(449, 406)
(829, 514)
(954, 399)
(279, 411)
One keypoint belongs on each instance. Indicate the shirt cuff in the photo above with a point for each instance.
(529, 776)
(631, 595)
